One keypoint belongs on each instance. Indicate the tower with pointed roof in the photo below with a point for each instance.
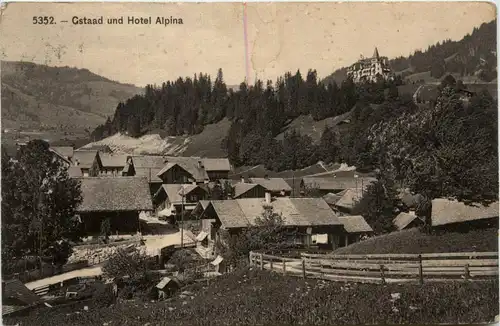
(370, 69)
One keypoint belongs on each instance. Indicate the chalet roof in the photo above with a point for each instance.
(295, 211)
(115, 194)
(355, 224)
(84, 159)
(410, 200)
(167, 167)
(337, 183)
(446, 211)
(403, 220)
(242, 188)
(75, 172)
(66, 151)
(294, 183)
(149, 161)
(17, 290)
(349, 198)
(113, 160)
(174, 191)
(150, 173)
(332, 198)
(272, 184)
(216, 164)
(191, 165)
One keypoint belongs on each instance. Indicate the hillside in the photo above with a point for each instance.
(254, 297)
(414, 241)
(39, 97)
(205, 144)
(472, 59)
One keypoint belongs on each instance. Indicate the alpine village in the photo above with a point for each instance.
(367, 197)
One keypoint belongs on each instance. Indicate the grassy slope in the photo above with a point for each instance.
(35, 96)
(250, 297)
(413, 241)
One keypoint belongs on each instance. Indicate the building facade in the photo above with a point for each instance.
(369, 69)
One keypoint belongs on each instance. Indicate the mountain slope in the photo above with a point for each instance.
(39, 97)
(473, 58)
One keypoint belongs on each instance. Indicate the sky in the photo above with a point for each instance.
(281, 37)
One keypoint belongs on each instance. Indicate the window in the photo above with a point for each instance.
(193, 198)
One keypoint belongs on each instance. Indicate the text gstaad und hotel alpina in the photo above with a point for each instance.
(119, 20)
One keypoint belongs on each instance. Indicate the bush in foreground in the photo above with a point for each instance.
(250, 297)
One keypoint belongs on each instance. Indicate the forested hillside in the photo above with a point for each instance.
(474, 55)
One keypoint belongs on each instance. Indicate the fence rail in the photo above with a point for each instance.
(385, 268)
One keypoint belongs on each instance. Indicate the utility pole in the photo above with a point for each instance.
(182, 217)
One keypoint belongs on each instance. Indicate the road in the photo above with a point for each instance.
(85, 272)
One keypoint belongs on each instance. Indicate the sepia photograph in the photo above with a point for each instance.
(260, 163)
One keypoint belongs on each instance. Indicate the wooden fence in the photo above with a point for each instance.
(385, 268)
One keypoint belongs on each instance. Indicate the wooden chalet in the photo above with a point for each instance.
(325, 185)
(113, 165)
(172, 199)
(278, 187)
(248, 190)
(118, 199)
(307, 216)
(89, 162)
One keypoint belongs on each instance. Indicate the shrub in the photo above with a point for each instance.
(126, 263)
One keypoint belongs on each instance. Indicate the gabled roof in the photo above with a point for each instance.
(75, 172)
(149, 161)
(66, 151)
(175, 192)
(272, 184)
(295, 211)
(84, 159)
(167, 167)
(151, 174)
(332, 198)
(191, 165)
(17, 290)
(115, 194)
(337, 183)
(403, 220)
(242, 188)
(349, 198)
(216, 164)
(355, 224)
(113, 160)
(446, 211)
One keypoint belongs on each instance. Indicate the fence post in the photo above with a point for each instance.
(261, 262)
(382, 275)
(284, 266)
(467, 272)
(420, 270)
(303, 268)
(271, 263)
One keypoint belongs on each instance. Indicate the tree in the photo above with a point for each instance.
(268, 233)
(126, 263)
(449, 150)
(38, 205)
(438, 68)
(328, 146)
(378, 205)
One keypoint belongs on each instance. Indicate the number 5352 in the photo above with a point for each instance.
(43, 20)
